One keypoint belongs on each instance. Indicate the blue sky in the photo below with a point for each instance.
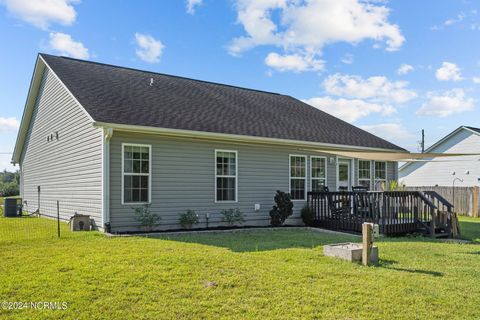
(390, 67)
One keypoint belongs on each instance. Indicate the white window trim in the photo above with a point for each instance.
(375, 180)
(290, 177)
(222, 176)
(311, 175)
(363, 179)
(138, 174)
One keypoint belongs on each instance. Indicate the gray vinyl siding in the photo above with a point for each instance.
(183, 177)
(392, 171)
(68, 169)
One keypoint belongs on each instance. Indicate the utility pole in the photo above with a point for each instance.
(423, 141)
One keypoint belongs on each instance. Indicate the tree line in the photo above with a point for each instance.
(9, 183)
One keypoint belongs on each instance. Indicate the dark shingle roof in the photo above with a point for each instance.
(473, 128)
(124, 96)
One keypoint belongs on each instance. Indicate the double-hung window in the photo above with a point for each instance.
(318, 173)
(136, 173)
(364, 173)
(298, 177)
(380, 175)
(226, 176)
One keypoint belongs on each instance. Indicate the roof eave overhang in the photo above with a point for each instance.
(28, 109)
(236, 138)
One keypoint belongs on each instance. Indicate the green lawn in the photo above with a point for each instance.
(256, 274)
(470, 228)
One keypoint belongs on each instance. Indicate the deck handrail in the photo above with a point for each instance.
(439, 197)
(395, 211)
(426, 200)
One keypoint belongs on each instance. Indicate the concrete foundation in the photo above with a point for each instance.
(349, 251)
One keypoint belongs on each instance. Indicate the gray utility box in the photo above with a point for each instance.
(80, 222)
(12, 207)
(349, 251)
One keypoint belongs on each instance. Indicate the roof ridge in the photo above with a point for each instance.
(161, 74)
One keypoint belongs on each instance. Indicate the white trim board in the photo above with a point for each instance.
(235, 137)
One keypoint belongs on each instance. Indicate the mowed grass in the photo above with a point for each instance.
(470, 228)
(280, 274)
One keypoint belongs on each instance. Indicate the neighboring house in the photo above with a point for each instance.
(440, 171)
(104, 139)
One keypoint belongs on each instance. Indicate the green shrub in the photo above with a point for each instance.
(146, 218)
(232, 216)
(307, 215)
(188, 219)
(282, 210)
(9, 189)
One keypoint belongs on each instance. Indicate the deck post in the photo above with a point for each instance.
(367, 235)
(432, 223)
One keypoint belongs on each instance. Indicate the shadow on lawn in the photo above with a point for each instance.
(263, 240)
(387, 264)
(266, 240)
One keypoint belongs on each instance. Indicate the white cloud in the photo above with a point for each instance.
(41, 13)
(9, 124)
(446, 104)
(451, 21)
(293, 62)
(305, 27)
(5, 164)
(389, 131)
(476, 80)
(347, 58)
(457, 19)
(448, 72)
(150, 49)
(349, 110)
(377, 88)
(404, 69)
(191, 4)
(66, 46)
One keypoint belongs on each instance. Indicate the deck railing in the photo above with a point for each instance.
(396, 212)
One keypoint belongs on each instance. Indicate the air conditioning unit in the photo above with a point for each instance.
(80, 222)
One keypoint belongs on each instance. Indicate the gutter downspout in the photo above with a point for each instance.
(107, 135)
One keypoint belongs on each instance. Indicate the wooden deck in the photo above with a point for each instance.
(396, 212)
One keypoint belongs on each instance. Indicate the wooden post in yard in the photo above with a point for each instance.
(367, 235)
(58, 218)
(475, 202)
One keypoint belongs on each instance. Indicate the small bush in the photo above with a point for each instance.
(9, 189)
(232, 216)
(282, 210)
(146, 218)
(188, 219)
(307, 215)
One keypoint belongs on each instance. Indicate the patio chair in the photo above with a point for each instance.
(340, 208)
(363, 206)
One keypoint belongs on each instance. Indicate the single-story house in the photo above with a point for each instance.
(442, 171)
(105, 139)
